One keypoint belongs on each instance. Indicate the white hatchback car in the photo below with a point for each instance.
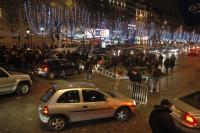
(79, 101)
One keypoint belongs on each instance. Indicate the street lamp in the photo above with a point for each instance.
(28, 35)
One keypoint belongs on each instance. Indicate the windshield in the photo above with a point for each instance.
(49, 93)
(109, 93)
(192, 99)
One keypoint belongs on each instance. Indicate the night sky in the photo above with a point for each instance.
(163, 4)
(167, 5)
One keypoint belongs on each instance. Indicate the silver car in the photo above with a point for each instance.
(19, 83)
(79, 101)
(186, 112)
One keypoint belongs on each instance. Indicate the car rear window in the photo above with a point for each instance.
(192, 99)
(43, 63)
(49, 93)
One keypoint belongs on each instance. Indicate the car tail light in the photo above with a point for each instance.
(45, 110)
(45, 69)
(190, 119)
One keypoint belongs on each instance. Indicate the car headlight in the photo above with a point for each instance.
(81, 66)
(134, 102)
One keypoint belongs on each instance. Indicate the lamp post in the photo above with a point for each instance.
(83, 39)
(42, 31)
(28, 35)
(31, 40)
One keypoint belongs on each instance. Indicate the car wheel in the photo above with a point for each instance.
(23, 88)
(57, 123)
(122, 114)
(51, 75)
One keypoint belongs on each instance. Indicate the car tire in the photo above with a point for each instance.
(122, 114)
(23, 88)
(57, 123)
(51, 75)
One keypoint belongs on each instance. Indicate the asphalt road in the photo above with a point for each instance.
(20, 114)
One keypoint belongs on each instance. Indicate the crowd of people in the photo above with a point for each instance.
(155, 66)
(30, 58)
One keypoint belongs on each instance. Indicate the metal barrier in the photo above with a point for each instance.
(104, 72)
(136, 91)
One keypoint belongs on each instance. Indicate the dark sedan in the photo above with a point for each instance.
(52, 68)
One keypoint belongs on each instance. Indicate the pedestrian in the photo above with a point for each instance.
(88, 70)
(135, 76)
(167, 64)
(160, 119)
(172, 62)
(160, 59)
(155, 78)
(120, 72)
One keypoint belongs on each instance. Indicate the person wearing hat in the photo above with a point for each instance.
(160, 119)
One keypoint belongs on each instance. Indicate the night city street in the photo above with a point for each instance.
(99, 66)
(20, 114)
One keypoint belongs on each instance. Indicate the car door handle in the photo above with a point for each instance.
(85, 106)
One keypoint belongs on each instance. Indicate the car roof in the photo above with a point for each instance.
(70, 49)
(70, 85)
(51, 60)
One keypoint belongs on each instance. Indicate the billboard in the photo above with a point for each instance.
(190, 10)
(104, 33)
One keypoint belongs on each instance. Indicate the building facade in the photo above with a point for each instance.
(141, 23)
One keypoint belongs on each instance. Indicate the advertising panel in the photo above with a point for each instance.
(104, 33)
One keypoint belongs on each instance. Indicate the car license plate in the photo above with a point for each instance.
(177, 112)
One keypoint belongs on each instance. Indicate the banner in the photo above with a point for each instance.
(190, 10)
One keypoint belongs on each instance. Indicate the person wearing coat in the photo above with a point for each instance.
(172, 62)
(160, 119)
(88, 70)
(156, 79)
(167, 64)
(135, 76)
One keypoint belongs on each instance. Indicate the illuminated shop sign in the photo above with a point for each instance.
(97, 33)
